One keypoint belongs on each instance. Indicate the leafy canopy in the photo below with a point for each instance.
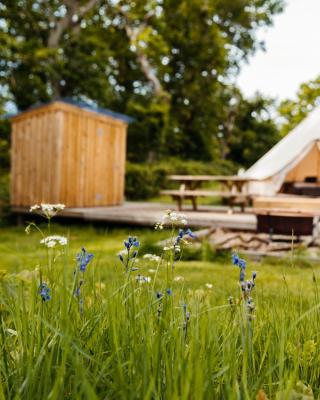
(168, 63)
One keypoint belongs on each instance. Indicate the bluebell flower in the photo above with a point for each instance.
(77, 291)
(134, 254)
(183, 233)
(83, 259)
(242, 275)
(44, 292)
(254, 275)
(190, 233)
(131, 242)
(235, 259)
(159, 295)
(169, 291)
(241, 263)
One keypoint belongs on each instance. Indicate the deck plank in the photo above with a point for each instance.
(147, 214)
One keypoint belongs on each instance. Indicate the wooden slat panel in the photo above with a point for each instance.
(61, 153)
(290, 203)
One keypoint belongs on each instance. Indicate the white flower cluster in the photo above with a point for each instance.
(176, 248)
(152, 257)
(48, 210)
(52, 241)
(209, 285)
(143, 279)
(173, 218)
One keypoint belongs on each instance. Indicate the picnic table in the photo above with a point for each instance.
(233, 189)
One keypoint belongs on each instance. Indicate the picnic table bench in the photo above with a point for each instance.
(190, 189)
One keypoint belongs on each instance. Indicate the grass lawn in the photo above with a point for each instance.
(104, 335)
(20, 252)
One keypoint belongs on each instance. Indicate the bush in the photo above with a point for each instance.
(144, 181)
(4, 197)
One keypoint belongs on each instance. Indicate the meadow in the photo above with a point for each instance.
(125, 326)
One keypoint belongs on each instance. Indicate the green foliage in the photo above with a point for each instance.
(253, 131)
(4, 144)
(165, 63)
(294, 111)
(144, 181)
(4, 197)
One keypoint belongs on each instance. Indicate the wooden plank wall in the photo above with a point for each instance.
(61, 153)
(34, 158)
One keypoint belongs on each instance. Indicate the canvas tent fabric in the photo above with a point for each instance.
(269, 173)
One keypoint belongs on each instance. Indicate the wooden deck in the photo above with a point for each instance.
(147, 214)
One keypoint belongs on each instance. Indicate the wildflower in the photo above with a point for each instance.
(169, 292)
(190, 233)
(47, 210)
(143, 279)
(159, 295)
(176, 248)
(178, 278)
(152, 257)
(52, 241)
(236, 260)
(83, 259)
(209, 285)
(131, 242)
(44, 292)
(77, 291)
(173, 218)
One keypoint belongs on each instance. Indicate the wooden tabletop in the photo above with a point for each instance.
(207, 178)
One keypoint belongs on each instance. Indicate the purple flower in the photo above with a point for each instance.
(242, 275)
(44, 292)
(131, 242)
(83, 259)
(235, 259)
(190, 233)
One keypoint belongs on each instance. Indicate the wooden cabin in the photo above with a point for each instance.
(70, 153)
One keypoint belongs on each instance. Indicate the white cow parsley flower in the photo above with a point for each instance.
(47, 210)
(54, 240)
(152, 257)
(173, 218)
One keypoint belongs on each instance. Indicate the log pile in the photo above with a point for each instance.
(258, 242)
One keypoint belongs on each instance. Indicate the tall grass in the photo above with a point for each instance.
(128, 339)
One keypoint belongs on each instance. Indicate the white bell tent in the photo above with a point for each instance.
(294, 159)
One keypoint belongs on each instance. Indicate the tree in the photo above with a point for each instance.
(294, 111)
(250, 131)
(165, 62)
